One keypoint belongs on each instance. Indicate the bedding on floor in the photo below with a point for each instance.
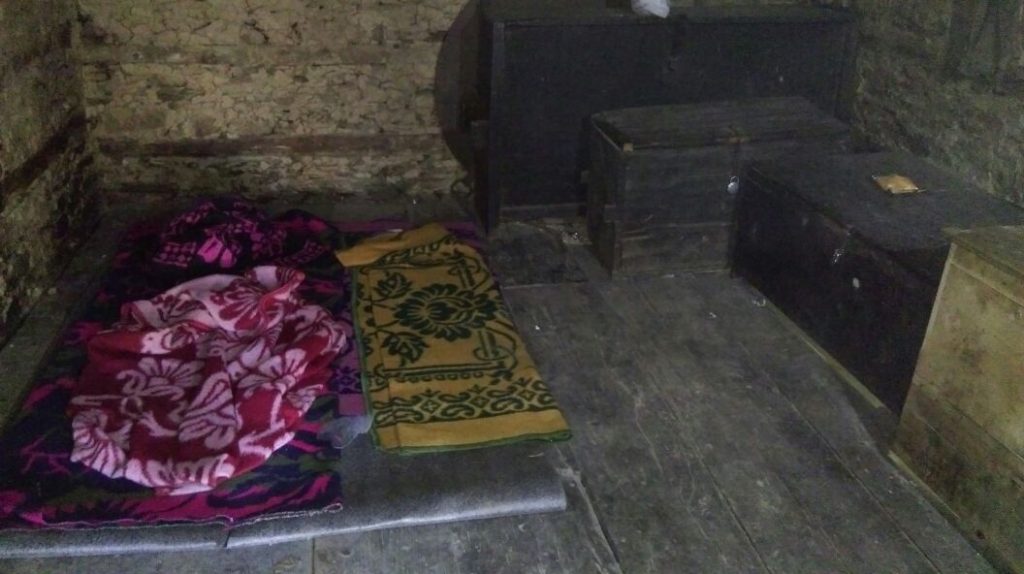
(203, 382)
(443, 365)
(44, 481)
(40, 484)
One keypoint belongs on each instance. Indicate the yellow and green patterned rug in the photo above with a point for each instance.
(443, 366)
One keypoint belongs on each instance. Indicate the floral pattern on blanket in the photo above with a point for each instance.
(203, 382)
(40, 486)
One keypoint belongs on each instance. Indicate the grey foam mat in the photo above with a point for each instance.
(381, 491)
(386, 491)
(111, 540)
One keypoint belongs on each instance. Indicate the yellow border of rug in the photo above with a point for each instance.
(544, 423)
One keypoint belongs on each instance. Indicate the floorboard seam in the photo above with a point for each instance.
(576, 477)
(676, 411)
(312, 556)
(842, 460)
(735, 515)
(721, 493)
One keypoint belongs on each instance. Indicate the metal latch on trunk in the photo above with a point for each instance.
(840, 251)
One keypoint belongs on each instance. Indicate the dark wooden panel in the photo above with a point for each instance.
(729, 60)
(711, 204)
(787, 252)
(665, 248)
(854, 267)
(554, 79)
(604, 179)
(908, 227)
(860, 305)
(716, 123)
(659, 168)
(654, 180)
(543, 72)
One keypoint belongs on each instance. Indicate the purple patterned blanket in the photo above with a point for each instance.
(41, 487)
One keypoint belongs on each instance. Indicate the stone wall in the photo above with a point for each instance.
(269, 97)
(45, 207)
(266, 96)
(958, 117)
(336, 95)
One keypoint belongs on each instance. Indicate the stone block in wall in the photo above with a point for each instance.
(255, 95)
(336, 165)
(43, 223)
(178, 72)
(906, 101)
(329, 23)
(40, 85)
(46, 202)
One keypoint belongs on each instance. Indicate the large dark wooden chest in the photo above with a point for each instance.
(856, 267)
(659, 197)
(546, 66)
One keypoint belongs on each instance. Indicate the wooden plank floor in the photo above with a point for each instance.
(709, 437)
(713, 439)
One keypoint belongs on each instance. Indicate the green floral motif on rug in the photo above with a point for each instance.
(444, 367)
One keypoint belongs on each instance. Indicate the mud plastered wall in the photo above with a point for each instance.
(960, 117)
(266, 96)
(46, 209)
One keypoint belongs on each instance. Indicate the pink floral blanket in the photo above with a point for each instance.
(203, 382)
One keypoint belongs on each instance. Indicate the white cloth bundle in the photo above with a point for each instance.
(657, 8)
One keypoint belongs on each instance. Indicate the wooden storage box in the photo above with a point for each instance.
(543, 67)
(856, 267)
(659, 197)
(962, 431)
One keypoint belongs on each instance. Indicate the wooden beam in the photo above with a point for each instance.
(324, 144)
(21, 177)
(355, 55)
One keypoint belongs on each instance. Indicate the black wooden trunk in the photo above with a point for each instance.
(658, 185)
(855, 267)
(545, 66)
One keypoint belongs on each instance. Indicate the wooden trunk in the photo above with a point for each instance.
(546, 66)
(853, 266)
(962, 431)
(659, 197)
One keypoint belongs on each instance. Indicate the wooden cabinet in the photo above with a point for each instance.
(962, 431)
(661, 179)
(853, 266)
(546, 66)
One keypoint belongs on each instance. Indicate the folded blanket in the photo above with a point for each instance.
(443, 366)
(203, 382)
